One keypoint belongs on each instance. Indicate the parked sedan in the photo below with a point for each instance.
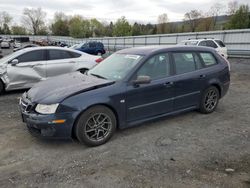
(129, 87)
(24, 68)
(5, 44)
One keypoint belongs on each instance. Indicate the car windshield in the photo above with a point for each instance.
(115, 67)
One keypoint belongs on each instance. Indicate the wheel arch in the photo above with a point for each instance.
(218, 87)
(91, 106)
(4, 85)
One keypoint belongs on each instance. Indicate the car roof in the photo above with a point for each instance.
(49, 48)
(147, 50)
(199, 39)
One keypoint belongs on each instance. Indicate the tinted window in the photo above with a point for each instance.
(92, 45)
(211, 43)
(59, 54)
(184, 62)
(220, 43)
(74, 55)
(208, 58)
(156, 67)
(203, 43)
(37, 55)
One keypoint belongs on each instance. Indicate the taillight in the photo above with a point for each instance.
(98, 60)
(228, 64)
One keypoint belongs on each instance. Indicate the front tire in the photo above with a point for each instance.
(1, 87)
(209, 100)
(95, 126)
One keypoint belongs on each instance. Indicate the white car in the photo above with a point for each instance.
(24, 68)
(5, 44)
(209, 42)
(17, 45)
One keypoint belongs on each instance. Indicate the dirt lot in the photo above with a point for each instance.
(188, 150)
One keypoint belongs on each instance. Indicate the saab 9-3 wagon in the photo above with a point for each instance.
(130, 87)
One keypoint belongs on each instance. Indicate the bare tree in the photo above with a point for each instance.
(232, 7)
(207, 21)
(5, 20)
(215, 11)
(193, 18)
(34, 19)
(162, 23)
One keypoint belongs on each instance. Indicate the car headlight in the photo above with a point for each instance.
(46, 108)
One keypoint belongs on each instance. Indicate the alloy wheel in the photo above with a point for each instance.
(98, 127)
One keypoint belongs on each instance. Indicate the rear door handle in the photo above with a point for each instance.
(71, 61)
(168, 84)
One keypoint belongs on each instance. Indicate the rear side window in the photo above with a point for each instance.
(36, 55)
(74, 55)
(92, 45)
(211, 43)
(220, 43)
(184, 62)
(208, 59)
(59, 54)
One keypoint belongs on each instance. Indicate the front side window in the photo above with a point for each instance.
(208, 58)
(116, 66)
(156, 67)
(203, 43)
(36, 55)
(184, 62)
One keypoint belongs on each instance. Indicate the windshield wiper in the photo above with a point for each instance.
(98, 76)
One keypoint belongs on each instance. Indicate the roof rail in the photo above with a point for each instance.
(200, 38)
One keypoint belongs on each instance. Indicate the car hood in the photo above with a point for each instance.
(56, 89)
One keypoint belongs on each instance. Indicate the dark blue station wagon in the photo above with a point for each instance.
(128, 88)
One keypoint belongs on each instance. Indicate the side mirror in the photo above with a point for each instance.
(14, 62)
(142, 80)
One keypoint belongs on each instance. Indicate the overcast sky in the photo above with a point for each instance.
(144, 11)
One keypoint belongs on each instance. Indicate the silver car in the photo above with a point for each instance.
(24, 68)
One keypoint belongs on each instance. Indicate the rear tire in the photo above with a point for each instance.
(209, 100)
(95, 126)
(83, 70)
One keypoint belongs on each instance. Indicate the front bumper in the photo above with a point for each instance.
(42, 125)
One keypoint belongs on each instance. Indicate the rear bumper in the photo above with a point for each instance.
(43, 126)
(225, 88)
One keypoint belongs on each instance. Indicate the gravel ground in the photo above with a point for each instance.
(188, 150)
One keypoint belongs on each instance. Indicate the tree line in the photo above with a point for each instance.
(34, 22)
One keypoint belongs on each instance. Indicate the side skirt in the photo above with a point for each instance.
(137, 122)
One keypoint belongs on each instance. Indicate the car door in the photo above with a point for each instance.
(29, 70)
(60, 61)
(154, 98)
(189, 79)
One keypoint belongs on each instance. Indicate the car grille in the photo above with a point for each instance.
(26, 105)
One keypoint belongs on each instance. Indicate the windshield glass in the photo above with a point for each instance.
(115, 67)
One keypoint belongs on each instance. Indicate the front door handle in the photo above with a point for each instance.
(168, 84)
(202, 76)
